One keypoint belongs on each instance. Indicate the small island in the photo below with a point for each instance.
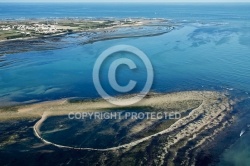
(203, 115)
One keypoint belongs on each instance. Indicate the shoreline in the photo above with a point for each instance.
(139, 22)
(209, 102)
(194, 127)
(201, 125)
(148, 28)
(38, 37)
(91, 31)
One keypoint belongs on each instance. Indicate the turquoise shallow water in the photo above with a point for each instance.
(194, 56)
(208, 50)
(238, 154)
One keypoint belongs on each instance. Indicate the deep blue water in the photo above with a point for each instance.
(210, 50)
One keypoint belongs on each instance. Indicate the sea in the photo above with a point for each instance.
(209, 49)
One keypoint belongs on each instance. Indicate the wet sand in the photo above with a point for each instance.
(209, 114)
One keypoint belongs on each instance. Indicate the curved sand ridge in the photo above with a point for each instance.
(213, 108)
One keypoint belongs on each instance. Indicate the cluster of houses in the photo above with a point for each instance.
(36, 28)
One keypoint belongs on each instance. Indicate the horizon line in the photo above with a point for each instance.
(183, 2)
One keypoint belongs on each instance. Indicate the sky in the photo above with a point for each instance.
(153, 1)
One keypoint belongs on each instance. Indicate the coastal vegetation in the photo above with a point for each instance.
(19, 29)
